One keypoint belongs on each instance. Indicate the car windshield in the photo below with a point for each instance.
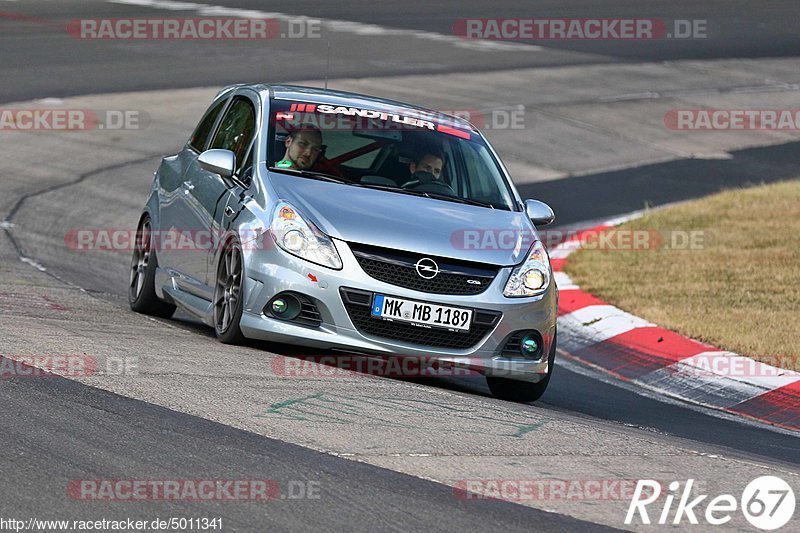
(398, 151)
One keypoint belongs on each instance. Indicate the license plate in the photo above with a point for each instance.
(421, 314)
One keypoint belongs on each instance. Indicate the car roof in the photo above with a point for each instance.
(350, 99)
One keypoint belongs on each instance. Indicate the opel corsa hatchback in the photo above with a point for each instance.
(335, 220)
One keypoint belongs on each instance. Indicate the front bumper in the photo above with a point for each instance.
(272, 271)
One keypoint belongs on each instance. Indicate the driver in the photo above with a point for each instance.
(430, 161)
(303, 148)
(426, 167)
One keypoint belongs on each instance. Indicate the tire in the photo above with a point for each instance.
(228, 302)
(523, 391)
(142, 296)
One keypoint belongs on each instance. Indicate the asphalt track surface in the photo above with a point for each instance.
(743, 29)
(104, 432)
(39, 58)
(122, 434)
(606, 194)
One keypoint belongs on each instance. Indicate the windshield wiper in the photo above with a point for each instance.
(437, 196)
(458, 199)
(328, 177)
(401, 190)
(311, 174)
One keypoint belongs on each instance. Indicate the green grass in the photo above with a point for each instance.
(740, 292)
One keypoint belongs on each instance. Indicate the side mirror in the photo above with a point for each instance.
(222, 162)
(539, 212)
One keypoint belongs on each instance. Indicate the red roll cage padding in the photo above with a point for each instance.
(324, 165)
(352, 154)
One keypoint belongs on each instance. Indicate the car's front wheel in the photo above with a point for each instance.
(523, 391)
(228, 302)
(142, 284)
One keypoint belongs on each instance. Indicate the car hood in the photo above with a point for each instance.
(410, 223)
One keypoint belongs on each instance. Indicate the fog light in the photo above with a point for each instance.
(279, 306)
(529, 345)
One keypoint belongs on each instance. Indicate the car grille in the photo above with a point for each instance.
(359, 305)
(398, 268)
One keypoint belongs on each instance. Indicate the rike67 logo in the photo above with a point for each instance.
(767, 502)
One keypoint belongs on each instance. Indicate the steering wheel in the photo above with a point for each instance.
(438, 187)
(426, 182)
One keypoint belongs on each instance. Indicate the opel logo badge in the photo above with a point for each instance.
(427, 268)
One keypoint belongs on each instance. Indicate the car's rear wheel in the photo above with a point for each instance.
(228, 302)
(142, 285)
(523, 391)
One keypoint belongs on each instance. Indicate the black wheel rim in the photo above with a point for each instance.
(228, 288)
(140, 260)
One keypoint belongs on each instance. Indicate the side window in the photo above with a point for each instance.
(203, 130)
(484, 180)
(237, 129)
(478, 185)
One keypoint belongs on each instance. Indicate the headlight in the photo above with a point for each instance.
(532, 277)
(298, 237)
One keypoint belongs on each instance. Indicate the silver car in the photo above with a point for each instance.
(334, 220)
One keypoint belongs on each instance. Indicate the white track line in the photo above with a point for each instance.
(716, 379)
(343, 26)
(602, 322)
